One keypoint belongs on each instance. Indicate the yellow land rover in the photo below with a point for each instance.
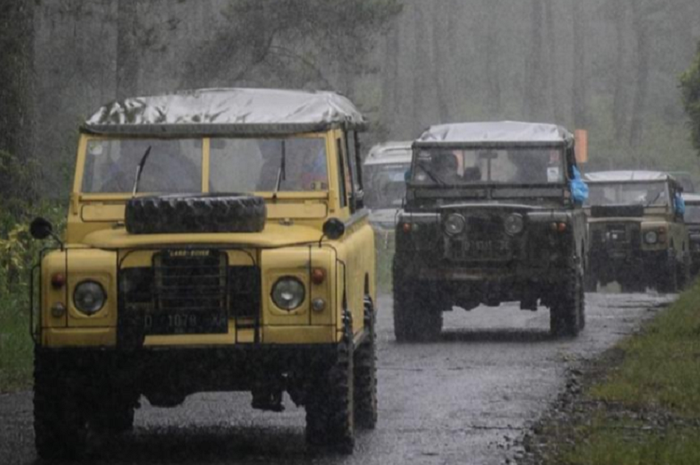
(216, 241)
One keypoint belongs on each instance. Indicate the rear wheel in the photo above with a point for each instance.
(567, 314)
(329, 406)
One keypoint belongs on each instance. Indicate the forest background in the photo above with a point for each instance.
(612, 67)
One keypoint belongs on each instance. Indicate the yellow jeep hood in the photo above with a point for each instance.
(274, 235)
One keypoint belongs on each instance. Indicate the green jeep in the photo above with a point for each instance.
(492, 214)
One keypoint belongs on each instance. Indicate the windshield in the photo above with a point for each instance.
(386, 185)
(511, 166)
(649, 194)
(692, 213)
(236, 165)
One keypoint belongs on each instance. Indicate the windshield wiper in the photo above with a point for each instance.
(282, 172)
(139, 170)
(431, 175)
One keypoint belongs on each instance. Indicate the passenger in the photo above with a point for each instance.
(445, 167)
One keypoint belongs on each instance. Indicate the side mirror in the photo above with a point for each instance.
(333, 228)
(40, 228)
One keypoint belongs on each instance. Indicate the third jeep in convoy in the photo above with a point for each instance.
(638, 235)
(493, 214)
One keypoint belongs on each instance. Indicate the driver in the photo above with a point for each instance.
(445, 166)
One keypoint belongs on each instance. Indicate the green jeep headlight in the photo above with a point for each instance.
(89, 297)
(288, 293)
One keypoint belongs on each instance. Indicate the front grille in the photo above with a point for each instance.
(484, 239)
(187, 292)
(190, 280)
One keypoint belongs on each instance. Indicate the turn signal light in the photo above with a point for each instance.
(559, 227)
(318, 275)
(406, 227)
(58, 280)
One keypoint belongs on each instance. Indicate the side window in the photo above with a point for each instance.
(342, 173)
(354, 159)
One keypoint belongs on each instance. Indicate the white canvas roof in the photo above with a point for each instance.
(390, 152)
(626, 176)
(496, 132)
(692, 198)
(226, 111)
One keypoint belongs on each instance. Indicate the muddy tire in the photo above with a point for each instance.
(365, 366)
(667, 280)
(567, 315)
(114, 417)
(195, 214)
(60, 423)
(416, 317)
(684, 275)
(329, 406)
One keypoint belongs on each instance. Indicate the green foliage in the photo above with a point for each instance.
(690, 86)
(646, 409)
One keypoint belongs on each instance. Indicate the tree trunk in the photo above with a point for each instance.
(621, 78)
(127, 49)
(439, 67)
(551, 80)
(492, 71)
(642, 37)
(534, 92)
(579, 94)
(391, 81)
(16, 76)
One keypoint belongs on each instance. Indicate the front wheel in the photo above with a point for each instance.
(329, 407)
(60, 421)
(417, 317)
(365, 364)
(567, 315)
(667, 280)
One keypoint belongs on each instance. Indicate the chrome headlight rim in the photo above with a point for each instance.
(651, 237)
(455, 224)
(97, 291)
(514, 224)
(293, 285)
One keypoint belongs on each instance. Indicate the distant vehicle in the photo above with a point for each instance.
(384, 175)
(638, 236)
(493, 214)
(692, 220)
(686, 180)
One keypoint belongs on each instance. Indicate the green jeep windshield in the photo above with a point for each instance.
(236, 165)
(509, 167)
(649, 194)
(692, 213)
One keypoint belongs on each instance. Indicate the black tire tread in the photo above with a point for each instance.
(195, 213)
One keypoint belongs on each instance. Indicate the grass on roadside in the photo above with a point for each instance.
(16, 348)
(647, 408)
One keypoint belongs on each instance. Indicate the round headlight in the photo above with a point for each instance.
(514, 224)
(89, 297)
(455, 224)
(288, 293)
(651, 237)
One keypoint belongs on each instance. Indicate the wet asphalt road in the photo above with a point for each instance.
(462, 400)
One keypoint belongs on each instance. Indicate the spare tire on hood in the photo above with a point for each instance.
(195, 213)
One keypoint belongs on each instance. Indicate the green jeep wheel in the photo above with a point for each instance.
(60, 423)
(417, 316)
(365, 401)
(329, 405)
(567, 315)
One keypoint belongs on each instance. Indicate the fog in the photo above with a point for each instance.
(610, 67)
